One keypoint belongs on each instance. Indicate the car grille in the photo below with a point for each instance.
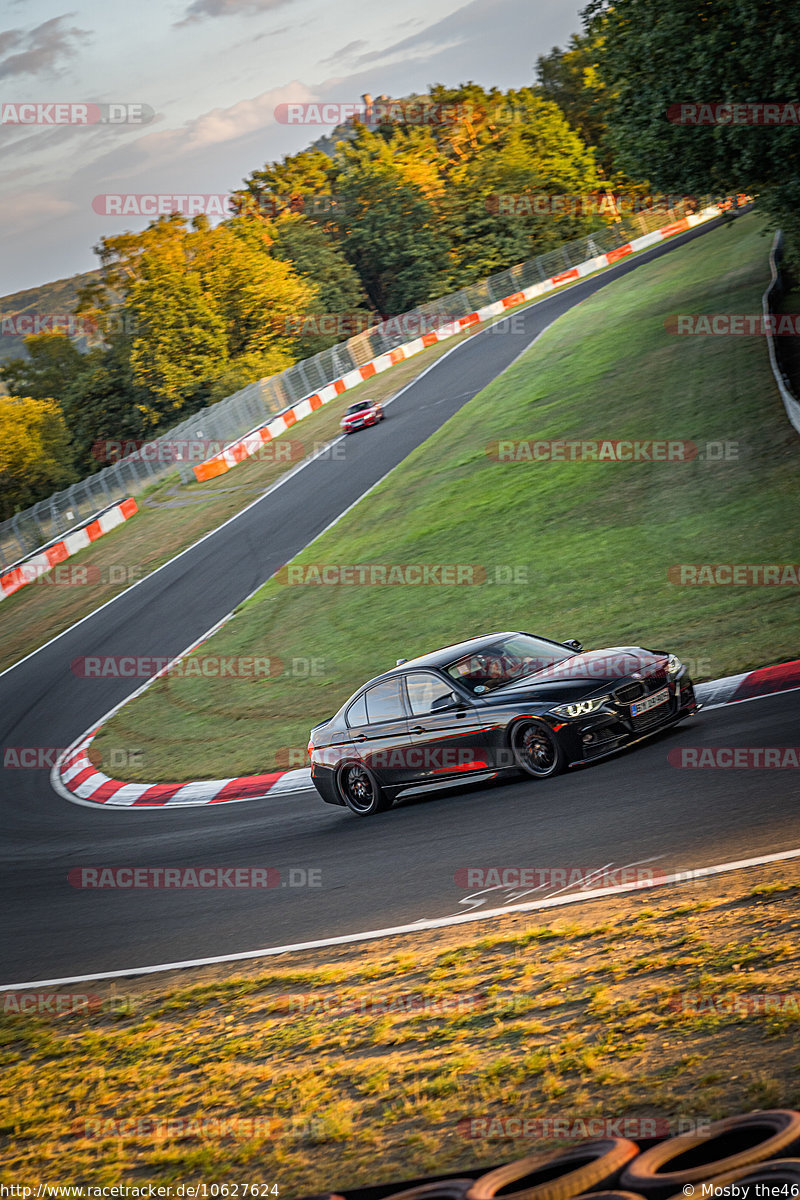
(629, 692)
(653, 717)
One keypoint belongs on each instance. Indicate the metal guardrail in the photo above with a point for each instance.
(231, 418)
(773, 293)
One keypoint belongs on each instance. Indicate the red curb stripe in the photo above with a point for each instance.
(247, 785)
(769, 679)
(676, 227)
(106, 791)
(81, 777)
(158, 794)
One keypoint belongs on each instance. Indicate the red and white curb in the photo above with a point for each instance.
(30, 569)
(83, 781)
(76, 778)
(243, 448)
(783, 677)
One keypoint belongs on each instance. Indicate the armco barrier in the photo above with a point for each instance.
(790, 402)
(244, 447)
(30, 569)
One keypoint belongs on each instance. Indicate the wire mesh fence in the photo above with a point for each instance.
(203, 433)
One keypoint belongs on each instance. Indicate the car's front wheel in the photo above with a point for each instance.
(361, 791)
(536, 749)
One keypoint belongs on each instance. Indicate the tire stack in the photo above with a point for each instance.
(755, 1148)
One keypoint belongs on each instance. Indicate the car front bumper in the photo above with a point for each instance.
(607, 732)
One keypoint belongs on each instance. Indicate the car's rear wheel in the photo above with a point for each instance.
(361, 791)
(536, 749)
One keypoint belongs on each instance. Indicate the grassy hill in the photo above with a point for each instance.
(49, 299)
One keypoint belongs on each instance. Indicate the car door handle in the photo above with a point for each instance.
(417, 729)
(360, 737)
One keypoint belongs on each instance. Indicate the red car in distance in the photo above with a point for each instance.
(361, 414)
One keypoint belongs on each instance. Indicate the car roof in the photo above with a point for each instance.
(438, 658)
(449, 654)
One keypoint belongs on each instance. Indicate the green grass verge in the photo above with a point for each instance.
(594, 540)
(352, 1066)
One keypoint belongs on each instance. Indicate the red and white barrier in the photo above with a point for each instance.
(39, 564)
(245, 447)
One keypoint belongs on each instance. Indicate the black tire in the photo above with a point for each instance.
(360, 790)
(777, 1173)
(536, 749)
(558, 1174)
(436, 1189)
(729, 1144)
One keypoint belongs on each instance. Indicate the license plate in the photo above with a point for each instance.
(643, 706)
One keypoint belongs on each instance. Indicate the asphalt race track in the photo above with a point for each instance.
(394, 869)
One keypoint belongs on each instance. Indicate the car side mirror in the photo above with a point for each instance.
(575, 645)
(448, 701)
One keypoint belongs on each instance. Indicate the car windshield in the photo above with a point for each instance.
(360, 407)
(504, 661)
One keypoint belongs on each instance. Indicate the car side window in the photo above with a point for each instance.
(385, 702)
(357, 712)
(424, 690)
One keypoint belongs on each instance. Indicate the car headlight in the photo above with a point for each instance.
(580, 708)
(674, 665)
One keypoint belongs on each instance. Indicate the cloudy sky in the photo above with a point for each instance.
(211, 73)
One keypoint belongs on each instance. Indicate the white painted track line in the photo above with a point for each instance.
(434, 923)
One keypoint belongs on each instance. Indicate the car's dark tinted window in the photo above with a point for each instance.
(362, 406)
(423, 689)
(385, 701)
(505, 661)
(357, 712)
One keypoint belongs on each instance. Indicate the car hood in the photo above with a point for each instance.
(585, 673)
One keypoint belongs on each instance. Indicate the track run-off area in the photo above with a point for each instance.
(338, 876)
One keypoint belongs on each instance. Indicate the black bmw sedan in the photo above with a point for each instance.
(504, 702)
